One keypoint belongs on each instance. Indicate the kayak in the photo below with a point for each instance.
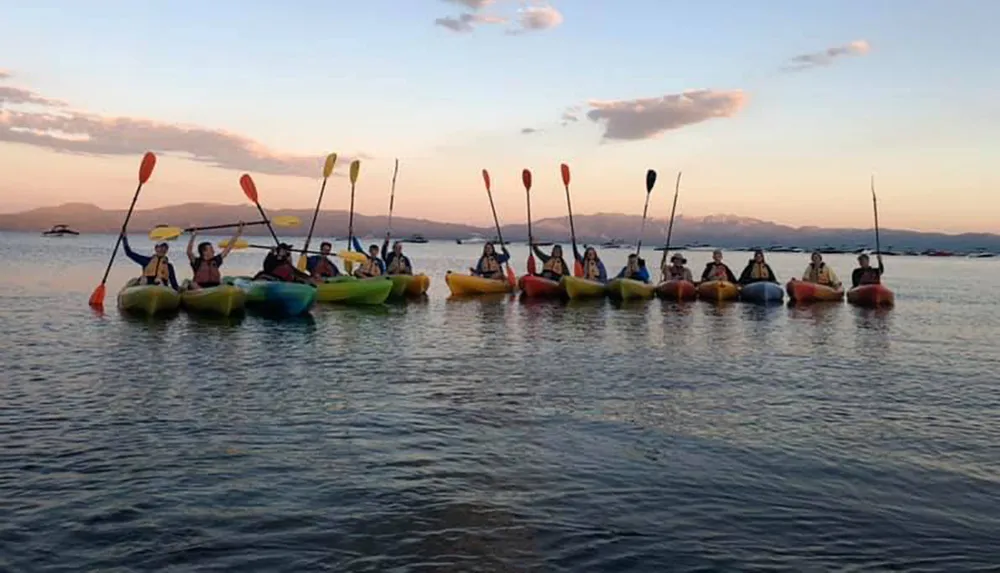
(630, 289)
(762, 292)
(540, 287)
(351, 290)
(802, 291)
(576, 287)
(718, 291)
(460, 285)
(677, 290)
(222, 300)
(149, 300)
(871, 295)
(276, 297)
(409, 285)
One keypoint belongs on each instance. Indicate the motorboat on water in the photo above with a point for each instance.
(60, 231)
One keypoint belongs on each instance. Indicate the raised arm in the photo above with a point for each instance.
(356, 245)
(232, 242)
(541, 255)
(190, 247)
(136, 258)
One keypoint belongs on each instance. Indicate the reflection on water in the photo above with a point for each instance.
(492, 434)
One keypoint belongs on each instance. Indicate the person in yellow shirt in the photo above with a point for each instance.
(820, 273)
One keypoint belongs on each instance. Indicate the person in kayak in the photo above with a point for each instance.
(593, 267)
(757, 270)
(635, 269)
(278, 266)
(866, 274)
(205, 265)
(396, 263)
(320, 266)
(820, 273)
(157, 269)
(373, 266)
(490, 264)
(554, 266)
(717, 270)
(676, 270)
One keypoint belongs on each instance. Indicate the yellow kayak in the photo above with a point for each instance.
(576, 287)
(409, 285)
(149, 300)
(630, 289)
(718, 291)
(222, 300)
(460, 285)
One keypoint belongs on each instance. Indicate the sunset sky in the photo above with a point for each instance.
(775, 109)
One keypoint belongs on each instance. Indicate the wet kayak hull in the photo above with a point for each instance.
(469, 285)
(871, 296)
(629, 289)
(351, 290)
(223, 300)
(540, 287)
(276, 297)
(409, 285)
(677, 290)
(718, 291)
(762, 293)
(148, 300)
(577, 288)
(806, 292)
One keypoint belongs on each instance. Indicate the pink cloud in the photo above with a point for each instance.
(827, 56)
(649, 117)
(539, 18)
(466, 22)
(472, 4)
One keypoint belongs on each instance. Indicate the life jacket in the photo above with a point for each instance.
(819, 275)
(555, 265)
(632, 272)
(718, 272)
(675, 273)
(284, 271)
(489, 265)
(370, 268)
(158, 268)
(870, 276)
(591, 270)
(398, 265)
(759, 271)
(207, 272)
(323, 268)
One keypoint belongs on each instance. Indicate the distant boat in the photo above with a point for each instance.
(473, 239)
(60, 231)
(937, 253)
(416, 238)
(981, 255)
(614, 244)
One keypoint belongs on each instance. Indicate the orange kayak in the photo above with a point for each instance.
(718, 291)
(802, 291)
(540, 287)
(871, 296)
(677, 290)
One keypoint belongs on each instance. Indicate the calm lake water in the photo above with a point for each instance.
(496, 435)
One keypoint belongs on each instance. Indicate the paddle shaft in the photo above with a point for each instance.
(878, 247)
(226, 226)
(670, 225)
(268, 247)
(312, 225)
(350, 222)
(118, 243)
(267, 222)
(642, 227)
(392, 198)
(496, 221)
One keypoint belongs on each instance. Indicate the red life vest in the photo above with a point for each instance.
(323, 268)
(870, 276)
(208, 272)
(284, 272)
(718, 272)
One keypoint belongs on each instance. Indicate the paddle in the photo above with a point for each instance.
(577, 267)
(670, 226)
(331, 160)
(650, 181)
(167, 233)
(355, 169)
(145, 170)
(526, 179)
(243, 244)
(246, 182)
(489, 193)
(392, 199)
(878, 247)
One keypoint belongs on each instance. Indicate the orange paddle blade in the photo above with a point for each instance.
(578, 270)
(510, 276)
(97, 297)
(146, 167)
(486, 179)
(526, 178)
(565, 173)
(246, 182)
(531, 265)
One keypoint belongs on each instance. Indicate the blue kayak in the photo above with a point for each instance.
(762, 293)
(276, 297)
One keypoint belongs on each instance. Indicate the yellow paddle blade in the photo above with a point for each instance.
(301, 265)
(355, 168)
(240, 244)
(286, 221)
(353, 256)
(331, 160)
(165, 233)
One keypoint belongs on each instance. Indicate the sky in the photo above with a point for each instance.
(780, 110)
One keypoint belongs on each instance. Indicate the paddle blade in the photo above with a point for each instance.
(355, 169)
(146, 167)
(526, 179)
(577, 269)
(353, 256)
(486, 179)
(650, 180)
(165, 233)
(97, 297)
(246, 182)
(510, 276)
(301, 265)
(240, 244)
(286, 221)
(565, 173)
(331, 160)
(531, 264)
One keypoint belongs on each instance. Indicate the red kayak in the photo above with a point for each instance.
(540, 287)
(871, 296)
(802, 291)
(677, 290)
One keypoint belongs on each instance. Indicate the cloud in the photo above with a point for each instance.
(73, 131)
(827, 56)
(649, 117)
(529, 130)
(535, 18)
(466, 22)
(472, 4)
(20, 96)
(569, 116)
(4, 74)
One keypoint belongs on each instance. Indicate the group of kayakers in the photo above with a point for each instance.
(554, 267)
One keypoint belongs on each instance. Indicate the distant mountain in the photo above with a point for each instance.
(726, 231)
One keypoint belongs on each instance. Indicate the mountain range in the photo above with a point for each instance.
(727, 231)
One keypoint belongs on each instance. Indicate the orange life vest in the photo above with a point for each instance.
(489, 265)
(158, 268)
(819, 275)
(591, 270)
(759, 271)
(370, 268)
(718, 272)
(674, 273)
(323, 268)
(555, 265)
(398, 266)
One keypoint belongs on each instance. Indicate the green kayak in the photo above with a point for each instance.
(351, 290)
(149, 300)
(222, 300)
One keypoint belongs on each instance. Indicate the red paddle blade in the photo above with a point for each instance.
(248, 187)
(578, 270)
(486, 179)
(97, 297)
(565, 173)
(146, 167)
(510, 276)
(526, 178)
(531, 264)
